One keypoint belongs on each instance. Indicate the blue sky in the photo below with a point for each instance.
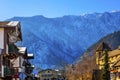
(54, 8)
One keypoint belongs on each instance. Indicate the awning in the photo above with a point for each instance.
(22, 50)
(30, 55)
(13, 23)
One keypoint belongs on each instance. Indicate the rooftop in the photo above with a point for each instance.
(14, 30)
(114, 52)
(118, 63)
(9, 24)
(103, 46)
(22, 50)
(30, 54)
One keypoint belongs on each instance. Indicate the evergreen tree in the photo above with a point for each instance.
(105, 71)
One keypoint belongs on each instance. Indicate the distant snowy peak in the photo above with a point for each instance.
(85, 15)
(114, 11)
(95, 14)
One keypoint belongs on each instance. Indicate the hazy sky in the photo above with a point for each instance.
(54, 8)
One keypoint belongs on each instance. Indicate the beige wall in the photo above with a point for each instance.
(1, 38)
(2, 47)
(16, 62)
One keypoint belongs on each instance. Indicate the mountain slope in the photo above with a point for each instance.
(55, 41)
(113, 40)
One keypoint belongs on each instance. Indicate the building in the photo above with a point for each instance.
(12, 57)
(28, 66)
(50, 74)
(47, 74)
(10, 33)
(114, 60)
(17, 62)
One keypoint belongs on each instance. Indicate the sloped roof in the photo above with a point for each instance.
(118, 63)
(12, 25)
(22, 50)
(114, 52)
(6, 24)
(103, 46)
(3, 24)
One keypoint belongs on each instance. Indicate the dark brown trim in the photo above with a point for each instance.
(19, 61)
(5, 40)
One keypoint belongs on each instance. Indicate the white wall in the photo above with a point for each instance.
(1, 38)
(2, 71)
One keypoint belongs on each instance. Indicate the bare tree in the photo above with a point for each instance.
(83, 69)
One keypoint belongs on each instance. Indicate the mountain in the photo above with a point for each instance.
(113, 40)
(60, 40)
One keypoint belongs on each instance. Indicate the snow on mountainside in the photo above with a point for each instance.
(55, 41)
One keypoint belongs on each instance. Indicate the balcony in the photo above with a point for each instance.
(8, 71)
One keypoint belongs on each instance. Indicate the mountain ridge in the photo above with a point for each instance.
(62, 40)
(111, 39)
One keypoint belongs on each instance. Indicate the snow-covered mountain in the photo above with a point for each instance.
(55, 41)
